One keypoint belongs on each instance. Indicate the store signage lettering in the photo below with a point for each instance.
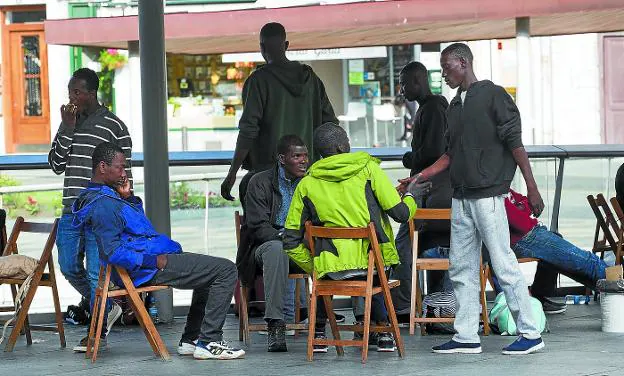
(319, 54)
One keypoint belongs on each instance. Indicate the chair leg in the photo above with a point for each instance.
(245, 315)
(57, 305)
(367, 317)
(329, 309)
(484, 312)
(297, 304)
(311, 323)
(419, 307)
(414, 297)
(393, 320)
(26, 329)
(99, 322)
(22, 315)
(94, 315)
(144, 320)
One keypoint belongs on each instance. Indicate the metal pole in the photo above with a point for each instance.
(154, 109)
(523, 89)
(554, 221)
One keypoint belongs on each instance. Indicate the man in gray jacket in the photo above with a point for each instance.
(484, 147)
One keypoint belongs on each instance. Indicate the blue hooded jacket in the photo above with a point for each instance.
(124, 235)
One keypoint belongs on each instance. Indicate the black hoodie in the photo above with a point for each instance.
(280, 99)
(482, 132)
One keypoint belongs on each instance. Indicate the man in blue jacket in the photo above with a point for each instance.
(126, 238)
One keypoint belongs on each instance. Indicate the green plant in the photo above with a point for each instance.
(32, 206)
(109, 59)
(183, 197)
(8, 181)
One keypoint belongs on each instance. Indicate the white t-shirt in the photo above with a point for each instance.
(463, 96)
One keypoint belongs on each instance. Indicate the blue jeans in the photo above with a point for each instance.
(74, 244)
(582, 266)
(444, 283)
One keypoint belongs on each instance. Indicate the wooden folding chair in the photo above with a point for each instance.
(244, 327)
(604, 240)
(619, 213)
(418, 264)
(39, 278)
(327, 288)
(104, 291)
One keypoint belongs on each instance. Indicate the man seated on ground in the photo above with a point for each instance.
(531, 239)
(126, 238)
(344, 189)
(268, 199)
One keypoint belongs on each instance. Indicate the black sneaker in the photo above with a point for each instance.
(76, 315)
(385, 342)
(320, 348)
(81, 347)
(551, 307)
(276, 338)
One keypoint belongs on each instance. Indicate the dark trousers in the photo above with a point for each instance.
(212, 280)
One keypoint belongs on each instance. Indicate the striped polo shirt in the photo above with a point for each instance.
(72, 149)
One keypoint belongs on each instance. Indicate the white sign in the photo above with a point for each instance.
(320, 54)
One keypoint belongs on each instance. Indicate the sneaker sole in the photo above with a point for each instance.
(389, 349)
(185, 352)
(476, 350)
(555, 312)
(533, 349)
(320, 351)
(217, 357)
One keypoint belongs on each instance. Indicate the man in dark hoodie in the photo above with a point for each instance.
(297, 104)
(125, 237)
(428, 144)
(484, 148)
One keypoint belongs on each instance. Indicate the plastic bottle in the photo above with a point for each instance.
(152, 309)
(577, 299)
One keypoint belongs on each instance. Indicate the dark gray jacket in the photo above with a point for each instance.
(481, 136)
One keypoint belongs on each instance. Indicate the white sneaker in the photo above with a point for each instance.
(113, 315)
(217, 350)
(186, 348)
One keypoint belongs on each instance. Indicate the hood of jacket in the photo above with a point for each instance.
(294, 76)
(83, 204)
(341, 167)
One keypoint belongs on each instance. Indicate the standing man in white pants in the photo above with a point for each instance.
(484, 147)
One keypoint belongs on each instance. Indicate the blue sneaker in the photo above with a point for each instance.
(452, 347)
(523, 346)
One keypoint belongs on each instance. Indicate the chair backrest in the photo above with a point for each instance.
(238, 223)
(619, 211)
(608, 215)
(425, 214)
(32, 227)
(601, 224)
(315, 232)
(3, 234)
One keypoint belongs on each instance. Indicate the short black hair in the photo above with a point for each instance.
(328, 138)
(459, 50)
(104, 152)
(414, 66)
(89, 76)
(285, 142)
(273, 29)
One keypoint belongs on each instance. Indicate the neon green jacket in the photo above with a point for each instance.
(345, 190)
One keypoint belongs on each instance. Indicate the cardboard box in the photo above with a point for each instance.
(614, 273)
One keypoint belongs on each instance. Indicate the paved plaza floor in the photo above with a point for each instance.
(574, 346)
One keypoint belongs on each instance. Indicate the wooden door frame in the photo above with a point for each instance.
(7, 106)
(603, 86)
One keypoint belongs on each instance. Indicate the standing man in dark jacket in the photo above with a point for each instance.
(297, 104)
(269, 195)
(428, 144)
(484, 149)
(85, 124)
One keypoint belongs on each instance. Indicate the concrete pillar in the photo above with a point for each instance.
(154, 108)
(523, 87)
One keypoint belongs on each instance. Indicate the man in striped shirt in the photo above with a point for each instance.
(85, 124)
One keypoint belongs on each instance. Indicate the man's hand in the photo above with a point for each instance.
(161, 261)
(123, 188)
(226, 187)
(68, 115)
(405, 182)
(419, 189)
(535, 200)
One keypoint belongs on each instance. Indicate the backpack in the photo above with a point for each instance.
(502, 322)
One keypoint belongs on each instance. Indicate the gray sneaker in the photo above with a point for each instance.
(113, 315)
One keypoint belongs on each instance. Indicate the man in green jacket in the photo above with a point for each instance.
(297, 104)
(345, 189)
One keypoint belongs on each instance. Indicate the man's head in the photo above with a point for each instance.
(456, 62)
(82, 88)
(273, 43)
(109, 164)
(292, 155)
(414, 81)
(331, 139)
